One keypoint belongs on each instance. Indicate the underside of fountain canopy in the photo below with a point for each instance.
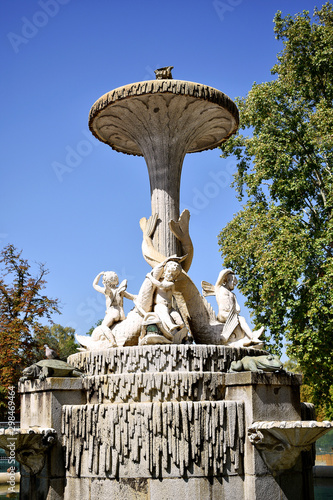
(200, 116)
(163, 120)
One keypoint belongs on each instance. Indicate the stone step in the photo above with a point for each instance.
(160, 358)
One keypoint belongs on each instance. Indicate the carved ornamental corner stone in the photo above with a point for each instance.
(28, 446)
(280, 443)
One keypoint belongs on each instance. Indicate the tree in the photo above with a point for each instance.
(91, 329)
(57, 337)
(280, 244)
(22, 307)
(307, 391)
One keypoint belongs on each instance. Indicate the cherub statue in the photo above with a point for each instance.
(163, 278)
(114, 295)
(235, 326)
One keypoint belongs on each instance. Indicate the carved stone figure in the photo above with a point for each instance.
(128, 331)
(235, 326)
(257, 364)
(196, 313)
(164, 73)
(114, 304)
(49, 368)
(180, 229)
(169, 321)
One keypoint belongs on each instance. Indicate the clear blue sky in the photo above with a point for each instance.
(58, 57)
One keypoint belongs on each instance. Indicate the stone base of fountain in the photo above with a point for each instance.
(164, 422)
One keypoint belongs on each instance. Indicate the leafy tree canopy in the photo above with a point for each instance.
(280, 244)
(22, 309)
(57, 337)
(307, 392)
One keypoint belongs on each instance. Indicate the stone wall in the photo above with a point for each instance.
(158, 423)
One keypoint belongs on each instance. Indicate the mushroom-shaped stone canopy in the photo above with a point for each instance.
(163, 120)
(176, 112)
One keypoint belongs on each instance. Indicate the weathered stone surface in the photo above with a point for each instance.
(166, 358)
(268, 396)
(218, 488)
(163, 98)
(154, 440)
(41, 401)
(51, 384)
(281, 443)
(199, 433)
(170, 412)
(166, 386)
(288, 486)
(28, 446)
(80, 489)
(41, 406)
(123, 489)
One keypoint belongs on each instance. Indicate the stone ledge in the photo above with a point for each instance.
(160, 358)
(323, 471)
(206, 488)
(51, 384)
(266, 378)
(149, 387)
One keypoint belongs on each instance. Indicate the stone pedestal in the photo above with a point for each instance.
(270, 397)
(158, 423)
(41, 406)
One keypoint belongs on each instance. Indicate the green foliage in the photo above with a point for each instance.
(22, 309)
(325, 443)
(324, 409)
(291, 365)
(90, 331)
(280, 244)
(57, 337)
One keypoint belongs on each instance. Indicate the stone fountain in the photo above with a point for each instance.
(174, 400)
(163, 120)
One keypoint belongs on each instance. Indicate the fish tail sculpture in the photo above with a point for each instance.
(179, 228)
(149, 252)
